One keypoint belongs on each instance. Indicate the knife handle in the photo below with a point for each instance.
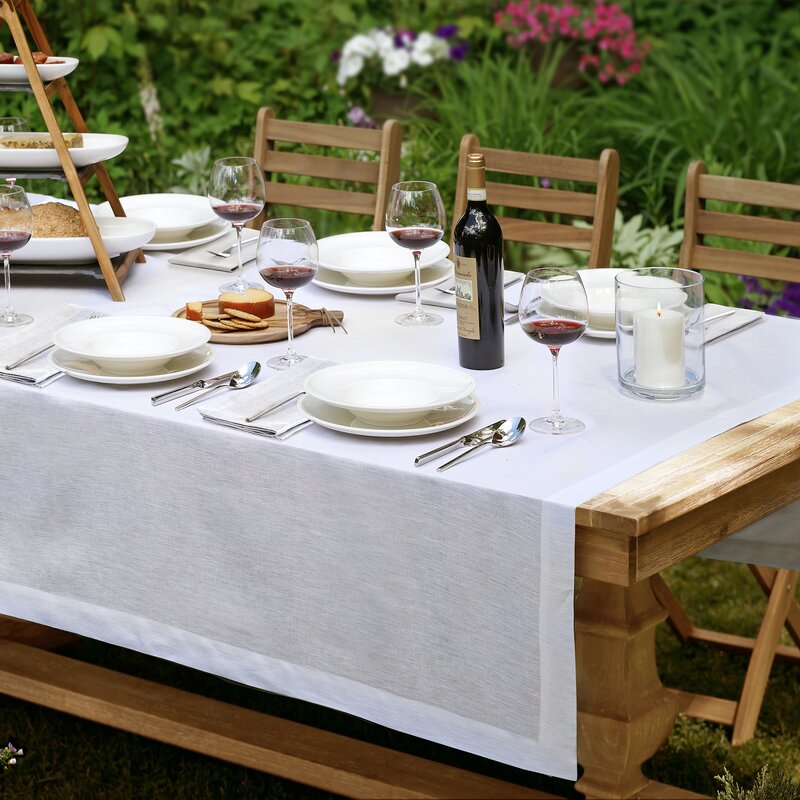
(173, 394)
(419, 460)
(454, 461)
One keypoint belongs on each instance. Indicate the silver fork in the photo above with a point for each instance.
(222, 253)
(29, 356)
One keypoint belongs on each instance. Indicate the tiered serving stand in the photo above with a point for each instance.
(114, 270)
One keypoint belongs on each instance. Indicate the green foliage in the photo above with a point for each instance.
(768, 786)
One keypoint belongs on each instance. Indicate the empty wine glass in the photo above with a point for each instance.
(16, 228)
(287, 258)
(236, 192)
(13, 125)
(553, 311)
(415, 220)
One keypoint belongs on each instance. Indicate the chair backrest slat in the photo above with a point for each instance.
(598, 207)
(741, 263)
(749, 192)
(272, 133)
(755, 229)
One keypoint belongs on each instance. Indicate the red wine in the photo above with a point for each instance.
(237, 213)
(289, 277)
(554, 332)
(478, 252)
(13, 240)
(416, 238)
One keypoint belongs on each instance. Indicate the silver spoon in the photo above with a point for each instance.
(507, 434)
(241, 379)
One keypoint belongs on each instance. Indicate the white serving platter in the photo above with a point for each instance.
(338, 282)
(339, 419)
(15, 73)
(96, 147)
(119, 236)
(178, 367)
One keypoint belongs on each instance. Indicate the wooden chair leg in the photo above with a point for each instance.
(766, 577)
(780, 599)
(677, 619)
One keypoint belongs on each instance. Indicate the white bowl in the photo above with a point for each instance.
(600, 288)
(174, 215)
(371, 258)
(131, 345)
(389, 393)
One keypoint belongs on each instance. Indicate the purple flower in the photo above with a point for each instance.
(336, 56)
(359, 118)
(544, 183)
(404, 38)
(458, 52)
(446, 31)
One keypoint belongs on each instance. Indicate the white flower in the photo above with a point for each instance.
(395, 62)
(349, 67)
(360, 45)
(428, 48)
(384, 42)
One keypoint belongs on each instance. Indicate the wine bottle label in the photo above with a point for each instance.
(476, 194)
(466, 272)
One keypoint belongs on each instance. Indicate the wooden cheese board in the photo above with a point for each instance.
(303, 317)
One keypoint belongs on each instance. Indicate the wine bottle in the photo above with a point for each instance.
(478, 256)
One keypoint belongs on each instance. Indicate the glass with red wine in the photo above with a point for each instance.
(553, 311)
(415, 220)
(16, 228)
(287, 258)
(236, 193)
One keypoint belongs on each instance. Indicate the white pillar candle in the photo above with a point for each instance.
(658, 348)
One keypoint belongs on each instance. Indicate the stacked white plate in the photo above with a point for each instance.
(389, 398)
(369, 262)
(129, 350)
(180, 220)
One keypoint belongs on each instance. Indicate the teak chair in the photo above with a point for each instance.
(597, 206)
(383, 173)
(779, 584)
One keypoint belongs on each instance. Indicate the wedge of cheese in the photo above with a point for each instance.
(258, 302)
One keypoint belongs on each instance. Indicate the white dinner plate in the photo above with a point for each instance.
(429, 276)
(176, 216)
(15, 73)
(339, 419)
(197, 238)
(120, 234)
(600, 333)
(96, 147)
(136, 345)
(371, 258)
(389, 393)
(178, 367)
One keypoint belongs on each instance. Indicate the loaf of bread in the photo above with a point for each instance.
(258, 302)
(38, 141)
(194, 311)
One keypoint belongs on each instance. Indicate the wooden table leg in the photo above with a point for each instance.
(624, 713)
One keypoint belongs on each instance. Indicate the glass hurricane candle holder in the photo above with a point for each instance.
(660, 332)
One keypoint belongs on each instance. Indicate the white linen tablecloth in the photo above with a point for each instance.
(327, 567)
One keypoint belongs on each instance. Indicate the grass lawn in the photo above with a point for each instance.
(67, 758)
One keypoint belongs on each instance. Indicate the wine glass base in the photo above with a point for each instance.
(415, 320)
(562, 425)
(284, 362)
(240, 288)
(14, 320)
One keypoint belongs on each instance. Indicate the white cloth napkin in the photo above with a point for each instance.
(18, 342)
(281, 423)
(201, 258)
(718, 328)
(434, 296)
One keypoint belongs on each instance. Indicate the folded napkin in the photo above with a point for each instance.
(434, 296)
(19, 342)
(281, 423)
(717, 328)
(202, 258)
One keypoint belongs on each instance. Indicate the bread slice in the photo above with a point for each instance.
(39, 141)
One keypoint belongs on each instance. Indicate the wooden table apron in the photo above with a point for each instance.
(623, 537)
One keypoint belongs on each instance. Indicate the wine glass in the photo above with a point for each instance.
(16, 228)
(236, 192)
(415, 220)
(287, 258)
(553, 311)
(13, 125)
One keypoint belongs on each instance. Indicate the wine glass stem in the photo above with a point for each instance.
(556, 415)
(240, 269)
(8, 313)
(417, 281)
(290, 353)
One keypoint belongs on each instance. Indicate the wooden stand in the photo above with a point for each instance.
(10, 12)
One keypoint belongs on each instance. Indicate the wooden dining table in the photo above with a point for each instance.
(624, 537)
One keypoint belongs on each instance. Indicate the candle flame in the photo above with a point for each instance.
(658, 310)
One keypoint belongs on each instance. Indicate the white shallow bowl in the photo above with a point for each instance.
(131, 345)
(15, 73)
(96, 147)
(174, 215)
(600, 289)
(119, 234)
(389, 393)
(429, 276)
(371, 258)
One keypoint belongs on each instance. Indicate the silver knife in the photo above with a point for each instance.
(174, 394)
(468, 439)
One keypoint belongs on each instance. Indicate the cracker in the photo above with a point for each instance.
(210, 315)
(215, 326)
(244, 315)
